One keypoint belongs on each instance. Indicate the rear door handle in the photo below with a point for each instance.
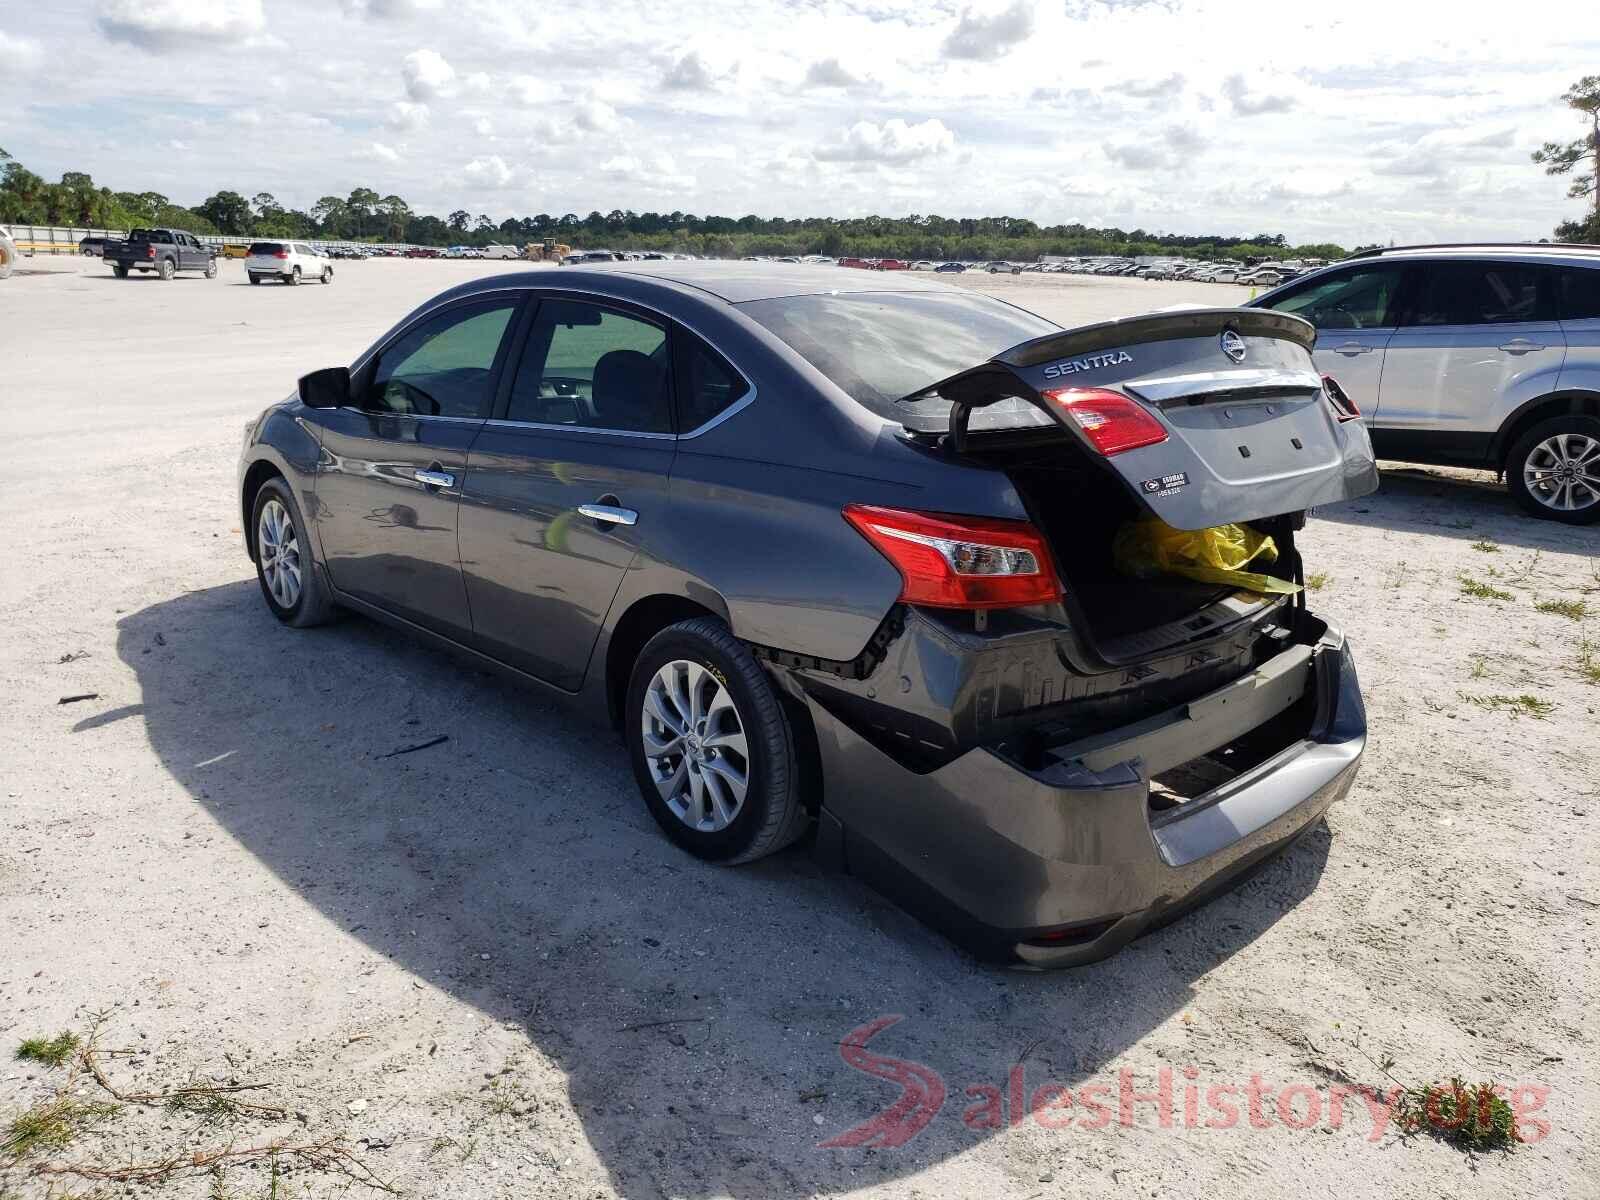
(1351, 349)
(608, 514)
(441, 479)
(1520, 346)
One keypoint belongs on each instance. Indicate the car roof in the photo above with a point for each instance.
(1544, 252)
(738, 282)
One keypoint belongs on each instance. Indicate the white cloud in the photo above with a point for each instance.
(18, 53)
(596, 116)
(986, 38)
(690, 73)
(406, 116)
(427, 75)
(829, 72)
(1248, 101)
(379, 152)
(488, 174)
(388, 10)
(892, 142)
(163, 25)
(653, 171)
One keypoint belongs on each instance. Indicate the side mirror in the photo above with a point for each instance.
(327, 388)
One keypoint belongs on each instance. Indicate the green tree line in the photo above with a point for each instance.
(364, 215)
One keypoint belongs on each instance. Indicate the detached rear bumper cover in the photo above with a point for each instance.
(1000, 857)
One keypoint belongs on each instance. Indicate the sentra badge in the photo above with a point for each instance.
(1071, 366)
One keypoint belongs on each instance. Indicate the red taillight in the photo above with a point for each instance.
(149, 251)
(1344, 408)
(949, 561)
(281, 254)
(1111, 421)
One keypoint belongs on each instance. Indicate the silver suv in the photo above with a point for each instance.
(1477, 356)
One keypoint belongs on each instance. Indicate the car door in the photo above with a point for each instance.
(1472, 333)
(565, 481)
(1355, 312)
(394, 462)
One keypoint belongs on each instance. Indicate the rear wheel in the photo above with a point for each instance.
(294, 277)
(1553, 471)
(255, 278)
(120, 270)
(167, 270)
(712, 747)
(211, 269)
(288, 578)
(327, 274)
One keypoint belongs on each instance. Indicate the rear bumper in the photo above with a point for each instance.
(1067, 863)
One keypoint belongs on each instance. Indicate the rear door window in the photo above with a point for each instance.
(444, 366)
(1482, 293)
(596, 368)
(1359, 298)
(1580, 294)
(707, 385)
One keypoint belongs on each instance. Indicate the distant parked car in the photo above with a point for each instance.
(288, 262)
(164, 252)
(950, 268)
(1475, 356)
(1001, 267)
(92, 247)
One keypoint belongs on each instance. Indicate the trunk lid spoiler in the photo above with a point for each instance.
(1250, 430)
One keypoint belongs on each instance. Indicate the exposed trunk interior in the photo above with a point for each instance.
(1079, 510)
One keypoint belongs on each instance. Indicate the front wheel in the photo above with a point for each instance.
(1553, 471)
(712, 747)
(288, 578)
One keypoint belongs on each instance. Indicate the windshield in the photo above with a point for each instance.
(882, 348)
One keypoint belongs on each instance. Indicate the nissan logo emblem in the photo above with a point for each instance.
(1233, 345)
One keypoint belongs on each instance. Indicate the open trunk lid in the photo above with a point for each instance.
(1250, 429)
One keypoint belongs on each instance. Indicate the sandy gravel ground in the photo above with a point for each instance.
(481, 967)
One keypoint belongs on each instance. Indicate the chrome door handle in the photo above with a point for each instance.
(1520, 346)
(1351, 349)
(441, 479)
(608, 514)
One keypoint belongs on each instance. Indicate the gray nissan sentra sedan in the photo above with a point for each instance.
(834, 551)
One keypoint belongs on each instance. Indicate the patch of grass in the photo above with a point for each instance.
(1469, 1116)
(1485, 546)
(1480, 666)
(1574, 610)
(1317, 581)
(1479, 590)
(1588, 662)
(1523, 705)
(52, 1125)
(52, 1052)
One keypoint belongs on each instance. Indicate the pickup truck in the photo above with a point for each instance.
(164, 251)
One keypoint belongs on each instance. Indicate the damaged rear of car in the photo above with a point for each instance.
(1046, 751)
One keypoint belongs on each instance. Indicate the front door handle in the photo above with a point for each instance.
(440, 479)
(1351, 349)
(1520, 346)
(608, 514)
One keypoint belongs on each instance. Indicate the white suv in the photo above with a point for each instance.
(1477, 356)
(289, 261)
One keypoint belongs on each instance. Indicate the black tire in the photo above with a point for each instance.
(166, 270)
(255, 279)
(88, 252)
(211, 269)
(120, 270)
(294, 277)
(327, 275)
(313, 605)
(773, 813)
(1572, 425)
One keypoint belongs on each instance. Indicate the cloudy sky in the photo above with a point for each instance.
(1364, 120)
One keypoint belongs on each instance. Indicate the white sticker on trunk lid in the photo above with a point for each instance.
(1164, 485)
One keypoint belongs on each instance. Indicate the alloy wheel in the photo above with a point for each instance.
(1563, 472)
(278, 550)
(695, 745)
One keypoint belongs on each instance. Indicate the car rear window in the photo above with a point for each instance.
(265, 247)
(882, 347)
